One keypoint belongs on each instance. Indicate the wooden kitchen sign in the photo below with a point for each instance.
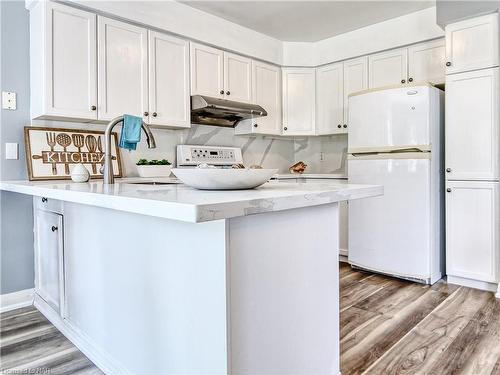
(51, 153)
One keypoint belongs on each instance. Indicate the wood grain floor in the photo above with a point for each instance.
(387, 326)
(30, 344)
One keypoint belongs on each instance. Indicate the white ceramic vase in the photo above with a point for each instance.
(80, 173)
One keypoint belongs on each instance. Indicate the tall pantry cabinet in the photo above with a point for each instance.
(472, 152)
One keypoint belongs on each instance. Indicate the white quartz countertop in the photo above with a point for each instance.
(180, 202)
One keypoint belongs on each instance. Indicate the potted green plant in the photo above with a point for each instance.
(153, 168)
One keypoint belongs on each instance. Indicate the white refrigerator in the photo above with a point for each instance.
(395, 140)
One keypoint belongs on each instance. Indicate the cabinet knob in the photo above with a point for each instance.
(448, 63)
(255, 125)
(448, 170)
(93, 108)
(448, 190)
(403, 81)
(410, 79)
(345, 126)
(54, 228)
(146, 113)
(339, 126)
(155, 114)
(221, 91)
(44, 199)
(285, 128)
(228, 93)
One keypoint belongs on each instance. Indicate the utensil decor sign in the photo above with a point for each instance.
(51, 152)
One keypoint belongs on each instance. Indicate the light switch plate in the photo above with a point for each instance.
(9, 100)
(11, 151)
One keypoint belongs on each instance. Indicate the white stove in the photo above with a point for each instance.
(193, 155)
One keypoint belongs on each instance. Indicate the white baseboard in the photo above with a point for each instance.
(343, 252)
(482, 285)
(16, 300)
(84, 343)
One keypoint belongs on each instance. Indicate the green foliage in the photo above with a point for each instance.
(153, 162)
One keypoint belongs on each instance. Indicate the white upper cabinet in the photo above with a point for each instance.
(330, 99)
(122, 69)
(355, 79)
(426, 62)
(207, 71)
(64, 75)
(299, 103)
(266, 92)
(388, 68)
(472, 230)
(472, 44)
(237, 78)
(472, 131)
(169, 98)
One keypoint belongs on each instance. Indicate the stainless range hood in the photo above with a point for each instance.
(221, 112)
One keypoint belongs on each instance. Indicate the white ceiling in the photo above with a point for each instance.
(307, 21)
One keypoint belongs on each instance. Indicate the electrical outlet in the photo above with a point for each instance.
(321, 156)
(11, 151)
(9, 100)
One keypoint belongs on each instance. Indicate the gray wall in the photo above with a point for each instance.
(449, 11)
(16, 251)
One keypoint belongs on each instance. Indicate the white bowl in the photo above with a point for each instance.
(154, 170)
(223, 179)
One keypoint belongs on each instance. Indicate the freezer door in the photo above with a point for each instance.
(391, 233)
(390, 119)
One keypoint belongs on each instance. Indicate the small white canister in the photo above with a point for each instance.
(80, 173)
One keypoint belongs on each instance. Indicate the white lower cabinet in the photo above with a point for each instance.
(472, 227)
(49, 248)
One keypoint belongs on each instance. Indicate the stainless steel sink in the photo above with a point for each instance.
(156, 183)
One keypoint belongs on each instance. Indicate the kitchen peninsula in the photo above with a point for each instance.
(167, 279)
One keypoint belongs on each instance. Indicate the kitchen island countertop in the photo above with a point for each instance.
(180, 202)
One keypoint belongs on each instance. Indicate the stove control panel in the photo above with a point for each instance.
(191, 155)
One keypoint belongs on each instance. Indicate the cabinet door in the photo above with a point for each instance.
(122, 68)
(355, 79)
(237, 78)
(330, 99)
(71, 65)
(472, 44)
(299, 108)
(426, 62)
(266, 89)
(472, 125)
(472, 230)
(169, 99)
(207, 71)
(387, 68)
(49, 257)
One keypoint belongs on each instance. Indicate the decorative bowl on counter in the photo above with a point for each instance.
(223, 179)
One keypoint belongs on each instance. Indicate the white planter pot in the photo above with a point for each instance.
(154, 170)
